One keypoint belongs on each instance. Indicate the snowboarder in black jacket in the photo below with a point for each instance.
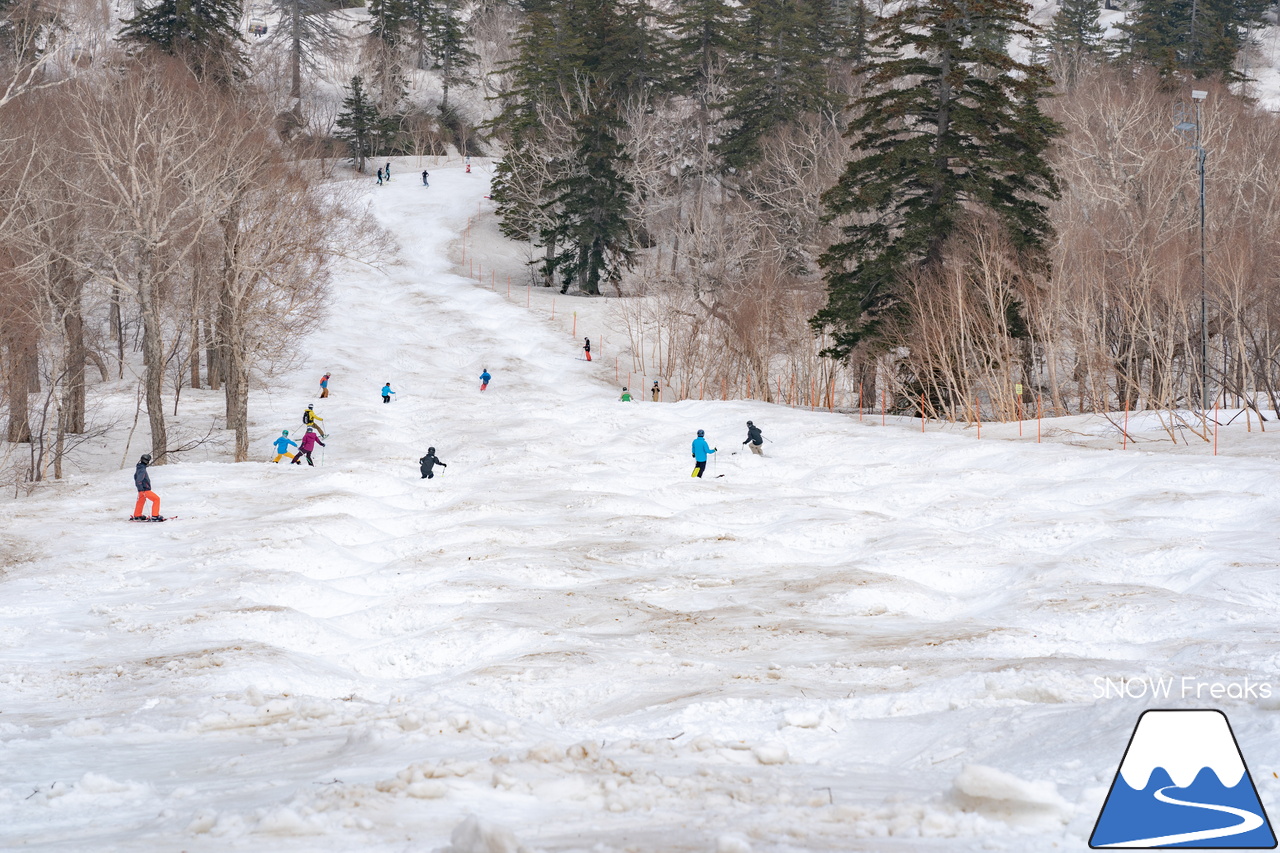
(428, 461)
(755, 438)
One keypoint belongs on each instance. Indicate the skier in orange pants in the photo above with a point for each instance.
(143, 481)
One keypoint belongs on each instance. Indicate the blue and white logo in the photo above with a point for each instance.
(1183, 783)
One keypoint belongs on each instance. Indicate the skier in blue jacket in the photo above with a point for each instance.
(386, 393)
(700, 454)
(484, 378)
(283, 443)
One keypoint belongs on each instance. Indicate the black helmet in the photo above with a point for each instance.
(431, 450)
(311, 406)
(146, 459)
(749, 423)
(699, 433)
(624, 389)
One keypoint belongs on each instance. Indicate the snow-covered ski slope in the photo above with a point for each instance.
(868, 640)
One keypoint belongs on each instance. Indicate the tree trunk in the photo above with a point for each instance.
(152, 356)
(212, 364)
(231, 311)
(71, 416)
(19, 413)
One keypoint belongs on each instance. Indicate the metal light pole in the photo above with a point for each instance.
(1198, 96)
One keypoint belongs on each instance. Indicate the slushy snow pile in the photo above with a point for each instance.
(869, 639)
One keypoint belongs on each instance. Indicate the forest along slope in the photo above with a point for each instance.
(566, 634)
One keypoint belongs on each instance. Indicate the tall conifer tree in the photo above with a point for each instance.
(202, 33)
(948, 125)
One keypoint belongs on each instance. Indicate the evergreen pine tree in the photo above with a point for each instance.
(778, 72)
(947, 126)
(447, 41)
(1201, 37)
(200, 32)
(579, 62)
(360, 124)
(307, 32)
(1075, 30)
(592, 202)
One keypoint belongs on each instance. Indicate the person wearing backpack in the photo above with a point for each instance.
(283, 443)
(309, 442)
(425, 464)
(311, 419)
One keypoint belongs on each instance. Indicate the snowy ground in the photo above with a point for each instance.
(870, 639)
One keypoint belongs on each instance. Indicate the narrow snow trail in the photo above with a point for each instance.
(564, 633)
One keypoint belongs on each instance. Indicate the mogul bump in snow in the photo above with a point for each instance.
(309, 442)
(386, 393)
(586, 347)
(425, 464)
(142, 480)
(311, 419)
(484, 378)
(283, 443)
(755, 438)
(700, 454)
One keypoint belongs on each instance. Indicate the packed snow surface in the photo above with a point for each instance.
(869, 639)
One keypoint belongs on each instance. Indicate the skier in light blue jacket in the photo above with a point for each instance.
(386, 393)
(700, 454)
(283, 443)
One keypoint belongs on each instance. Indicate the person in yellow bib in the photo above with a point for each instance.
(283, 443)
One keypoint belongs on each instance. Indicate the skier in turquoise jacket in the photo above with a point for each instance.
(283, 443)
(700, 454)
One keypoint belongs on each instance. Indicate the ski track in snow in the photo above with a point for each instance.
(565, 634)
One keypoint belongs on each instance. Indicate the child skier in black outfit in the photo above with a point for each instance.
(428, 461)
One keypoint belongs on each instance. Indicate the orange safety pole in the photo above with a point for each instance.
(1019, 419)
(473, 268)
(1124, 444)
(921, 413)
(831, 398)
(748, 386)
(479, 272)
(979, 410)
(778, 379)
(575, 324)
(792, 395)
(724, 395)
(528, 295)
(813, 391)
(881, 407)
(1038, 399)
